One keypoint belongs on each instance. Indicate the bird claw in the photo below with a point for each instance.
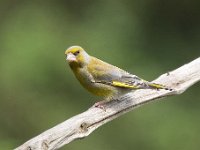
(100, 105)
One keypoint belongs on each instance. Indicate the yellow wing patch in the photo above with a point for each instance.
(157, 86)
(123, 85)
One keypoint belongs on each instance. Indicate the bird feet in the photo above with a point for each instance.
(101, 104)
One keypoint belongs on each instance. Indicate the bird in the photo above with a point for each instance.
(103, 79)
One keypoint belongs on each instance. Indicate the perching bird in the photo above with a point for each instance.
(103, 79)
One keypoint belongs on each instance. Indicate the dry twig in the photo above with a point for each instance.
(85, 123)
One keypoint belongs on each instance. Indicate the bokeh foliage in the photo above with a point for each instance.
(148, 38)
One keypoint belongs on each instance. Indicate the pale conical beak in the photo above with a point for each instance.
(70, 57)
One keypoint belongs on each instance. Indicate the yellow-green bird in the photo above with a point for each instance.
(103, 79)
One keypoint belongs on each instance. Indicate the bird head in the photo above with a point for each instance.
(77, 56)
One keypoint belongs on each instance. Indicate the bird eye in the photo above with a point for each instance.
(76, 53)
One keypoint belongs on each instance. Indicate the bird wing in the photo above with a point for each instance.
(105, 73)
(130, 81)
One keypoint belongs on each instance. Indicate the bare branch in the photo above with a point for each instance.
(85, 123)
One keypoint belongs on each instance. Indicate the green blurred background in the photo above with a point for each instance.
(148, 38)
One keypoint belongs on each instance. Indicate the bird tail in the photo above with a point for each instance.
(158, 86)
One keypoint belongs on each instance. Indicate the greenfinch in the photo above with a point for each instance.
(103, 79)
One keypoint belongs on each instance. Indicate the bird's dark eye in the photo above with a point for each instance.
(76, 53)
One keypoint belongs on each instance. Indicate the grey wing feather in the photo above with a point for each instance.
(112, 73)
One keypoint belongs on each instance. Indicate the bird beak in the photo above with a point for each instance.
(70, 57)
